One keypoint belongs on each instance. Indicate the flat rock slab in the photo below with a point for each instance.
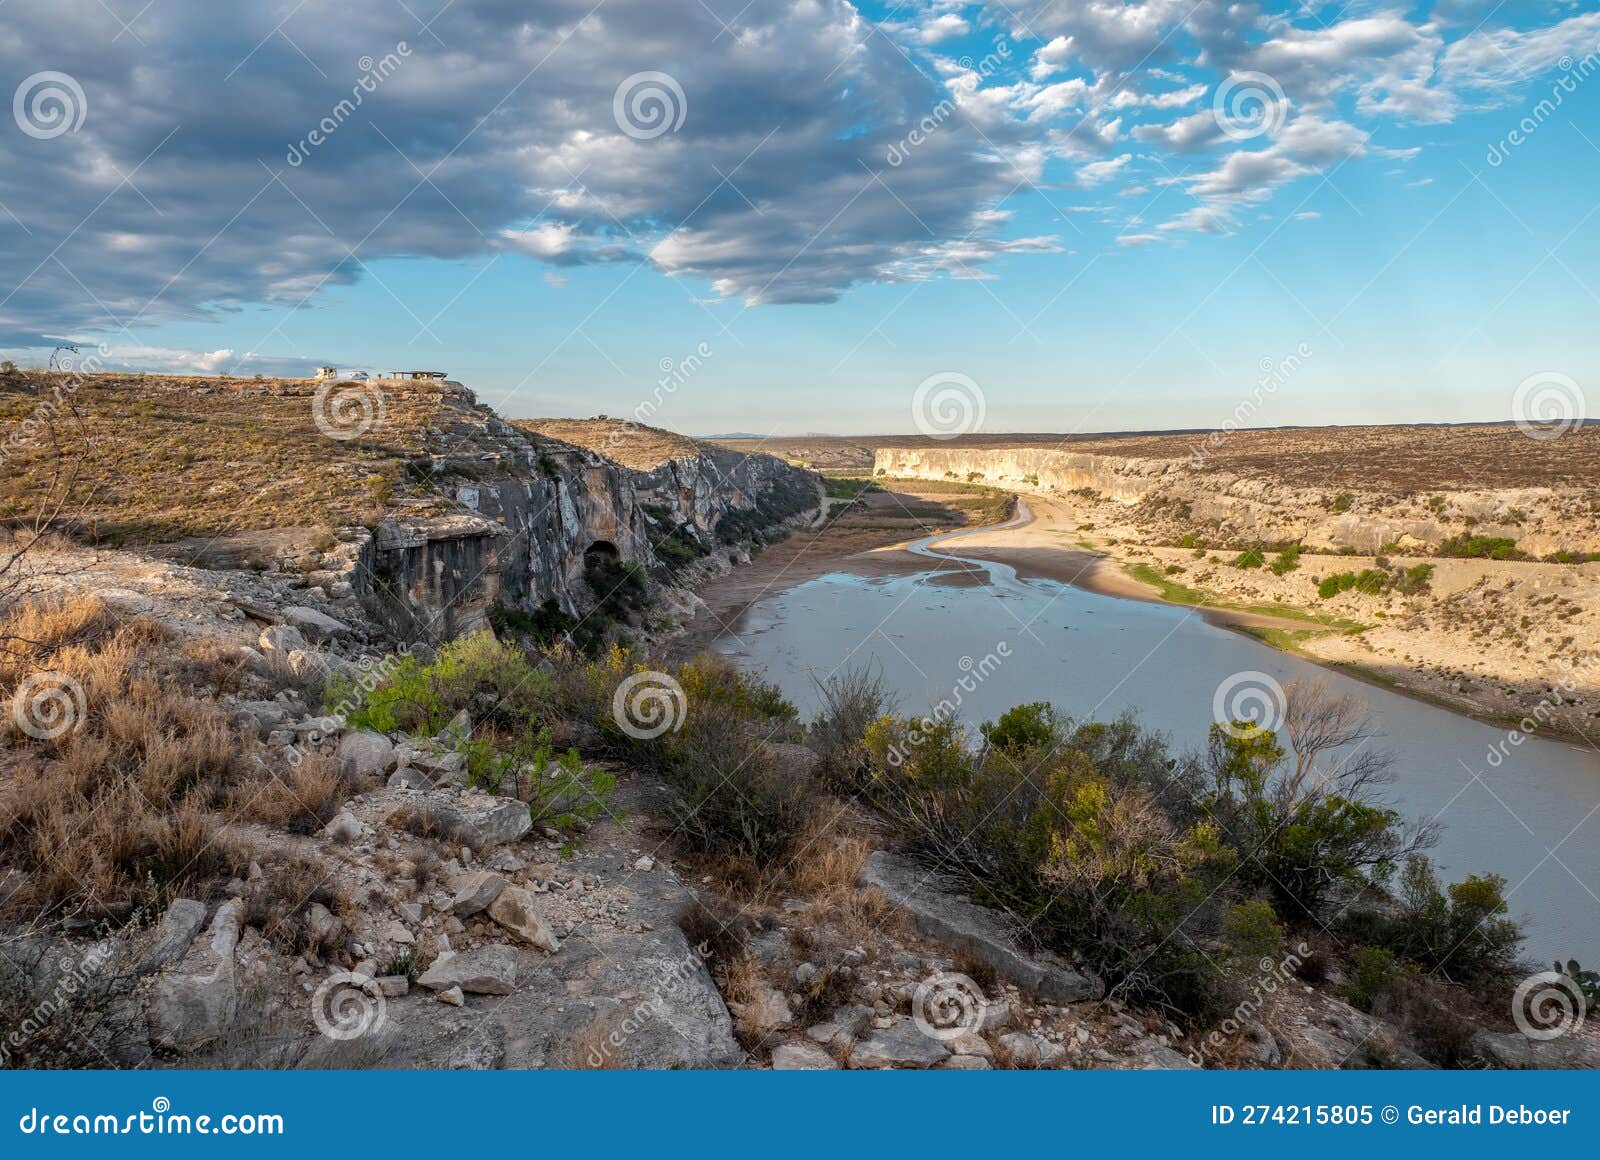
(473, 819)
(490, 970)
(902, 1044)
(960, 924)
(802, 1056)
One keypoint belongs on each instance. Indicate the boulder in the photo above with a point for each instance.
(407, 778)
(192, 1007)
(473, 819)
(802, 1056)
(900, 1045)
(964, 1063)
(768, 1011)
(490, 970)
(1514, 1050)
(1018, 1050)
(363, 754)
(474, 891)
(314, 625)
(518, 911)
(179, 925)
(345, 827)
(282, 639)
(845, 1024)
(967, 928)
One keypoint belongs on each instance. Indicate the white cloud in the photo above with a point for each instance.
(1099, 172)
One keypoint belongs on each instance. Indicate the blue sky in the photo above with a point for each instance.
(1088, 229)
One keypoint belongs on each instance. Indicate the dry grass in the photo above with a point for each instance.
(826, 874)
(301, 801)
(592, 1049)
(118, 812)
(280, 903)
(159, 458)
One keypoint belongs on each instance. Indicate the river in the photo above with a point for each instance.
(1534, 818)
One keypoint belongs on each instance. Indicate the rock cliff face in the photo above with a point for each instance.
(1124, 480)
(518, 517)
(1175, 496)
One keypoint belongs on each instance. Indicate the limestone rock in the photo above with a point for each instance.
(967, 928)
(453, 996)
(472, 819)
(179, 925)
(363, 754)
(900, 1045)
(518, 911)
(490, 970)
(474, 891)
(802, 1056)
(196, 1006)
(282, 639)
(314, 625)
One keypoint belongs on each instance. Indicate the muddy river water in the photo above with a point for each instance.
(975, 634)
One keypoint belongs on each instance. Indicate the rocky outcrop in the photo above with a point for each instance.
(947, 918)
(1124, 480)
(524, 515)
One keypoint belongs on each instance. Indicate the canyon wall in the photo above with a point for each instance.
(1173, 497)
(520, 515)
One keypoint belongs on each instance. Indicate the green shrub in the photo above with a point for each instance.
(1250, 558)
(1459, 933)
(1068, 837)
(1341, 502)
(1466, 546)
(850, 702)
(491, 680)
(1288, 560)
(1371, 581)
(1313, 833)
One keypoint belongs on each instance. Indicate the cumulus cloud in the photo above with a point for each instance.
(195, 183)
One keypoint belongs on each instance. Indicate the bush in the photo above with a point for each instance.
(1371, 581)
(1472, 547)
(1459, 933)
(850, 702)
(1288, 560)
(1060, 827)
(1250, 558)
(1312, 834)
(491, 680)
